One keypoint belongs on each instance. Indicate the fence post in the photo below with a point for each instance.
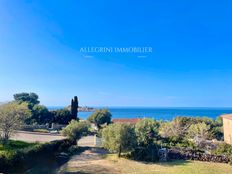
(95, 140)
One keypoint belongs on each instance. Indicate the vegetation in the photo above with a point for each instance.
(74, 107)
(119, 138)
(223, 149)
(12, 116)
(126, 166)
(41, 115)
(200, 130)
(146, 131)
(181, 130)
(147, 135)
(75, 130)
(151, 135)
(61, 116)
(140, 141)
(30, 98)
(100, 117)
(20, 159)
(12, 146)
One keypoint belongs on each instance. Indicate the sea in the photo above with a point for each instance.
(158, 113)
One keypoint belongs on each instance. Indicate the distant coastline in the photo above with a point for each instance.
(80, 108)
(162, 113)
(86, 109)
(158, 113)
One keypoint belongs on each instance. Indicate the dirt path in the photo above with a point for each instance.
(90, 161)
(35, 136)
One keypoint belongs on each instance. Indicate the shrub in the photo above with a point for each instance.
(223, 149)
(145, 153)
(61, 116)
(75, 130)
(119, 138)
(20, 160)
(12, 116)
(200, 130)
(40, 115)
(100, 117)
(146, 131)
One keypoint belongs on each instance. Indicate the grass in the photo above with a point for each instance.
(126, 166)
(15, 145)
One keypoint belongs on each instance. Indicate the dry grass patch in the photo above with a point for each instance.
(178, 167)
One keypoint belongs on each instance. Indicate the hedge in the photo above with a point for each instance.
(23, 159)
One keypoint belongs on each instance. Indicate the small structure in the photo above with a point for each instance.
(227, 128)
(126, 120)
(163, 155)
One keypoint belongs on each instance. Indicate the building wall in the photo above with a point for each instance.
(227, 126)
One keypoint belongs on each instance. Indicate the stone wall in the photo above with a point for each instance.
(178, 154)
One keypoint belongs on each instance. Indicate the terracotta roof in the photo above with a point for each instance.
(126, 120)
(227, 116)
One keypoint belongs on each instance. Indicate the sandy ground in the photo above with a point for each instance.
(46, 137)
(36, 137)
(90, 161)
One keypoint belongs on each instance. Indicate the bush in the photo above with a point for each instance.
(12, 116)
(100, 117)
(223, 149)
(75, 130)
(40, 115)
(61, 116)
(146, 131)
(149, 154)
(119, 138)
(23, 159)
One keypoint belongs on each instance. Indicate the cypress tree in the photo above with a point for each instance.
(74, 107)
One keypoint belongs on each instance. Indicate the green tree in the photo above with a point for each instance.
(30, 98)
(200, 130)
(40, 115)
(119, 138)
(61, 116)
(218, 121)
(12, 116)
(75, 130)
(176, 128)
(217, 129)
(165, 129)
(146, 131)
(100, 117)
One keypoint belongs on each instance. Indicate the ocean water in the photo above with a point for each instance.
(164, 113)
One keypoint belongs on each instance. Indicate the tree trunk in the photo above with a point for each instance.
(5, 137)
(119, 152)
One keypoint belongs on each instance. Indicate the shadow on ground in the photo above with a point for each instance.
(88, 162)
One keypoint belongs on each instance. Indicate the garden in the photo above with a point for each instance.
(149, 140)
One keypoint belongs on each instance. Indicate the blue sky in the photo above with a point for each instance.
(190, 64)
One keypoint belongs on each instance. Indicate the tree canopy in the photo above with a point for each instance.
(40, 115)
(61, 116)
(199, 130)
(30, 98)
(75, 129)
(12, 116)
(119, 137)
(99, 117)
(146, 131)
